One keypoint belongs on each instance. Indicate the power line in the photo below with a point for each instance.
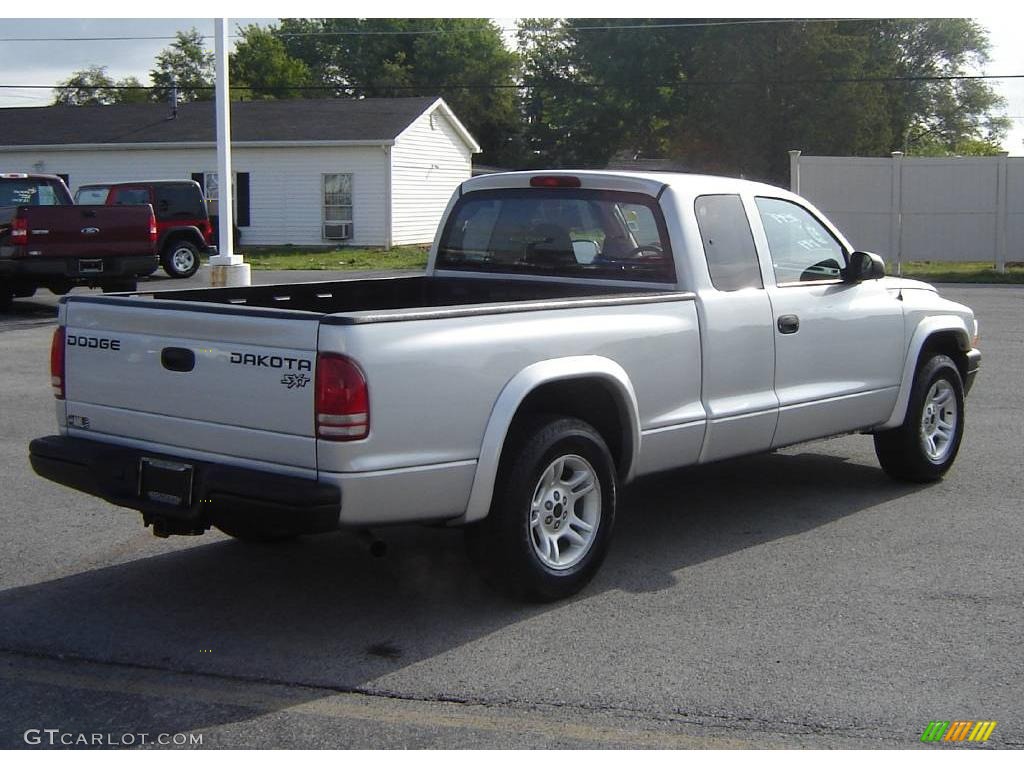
(524, 86)
(411, 32)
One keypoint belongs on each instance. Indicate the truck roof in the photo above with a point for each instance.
(626, 181)
(138, 181)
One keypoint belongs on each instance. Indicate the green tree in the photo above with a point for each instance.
(732, 98)
(92, 86)
(186, 64)
(130, 90)
(261, 68)
(460, 59)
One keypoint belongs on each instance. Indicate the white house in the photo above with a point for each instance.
(307, 172)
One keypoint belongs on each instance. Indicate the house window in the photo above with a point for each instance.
(240, 199)
(211, 188)
(337, 198)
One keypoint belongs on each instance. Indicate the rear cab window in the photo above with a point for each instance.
(573, 232)
(31, 192)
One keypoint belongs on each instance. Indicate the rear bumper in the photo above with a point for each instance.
(289, 505)
(973, 364)
(94, 270)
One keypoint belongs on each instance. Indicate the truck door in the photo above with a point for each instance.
(738, 346)
(838, 346)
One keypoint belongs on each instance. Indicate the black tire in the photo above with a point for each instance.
(904, 452)
(505, 545)
(180, 259)
(6, 297)
(25, 292)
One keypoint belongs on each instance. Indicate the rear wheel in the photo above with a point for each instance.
(6, 297)
(180, 259)
(553, 512)
(925, 446)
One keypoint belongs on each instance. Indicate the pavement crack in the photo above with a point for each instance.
(728, 724)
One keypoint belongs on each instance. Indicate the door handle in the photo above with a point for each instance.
(177, 359)
(789, 324)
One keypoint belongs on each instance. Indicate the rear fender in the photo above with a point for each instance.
(511, 398)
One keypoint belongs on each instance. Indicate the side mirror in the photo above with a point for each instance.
(864, 266)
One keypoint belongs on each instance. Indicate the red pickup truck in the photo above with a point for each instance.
(48, 242)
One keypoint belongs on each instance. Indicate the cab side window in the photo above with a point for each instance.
(802, 249)
(728, 242)
(131, 196)
(178, 201)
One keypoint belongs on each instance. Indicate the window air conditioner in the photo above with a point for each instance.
(338, 231)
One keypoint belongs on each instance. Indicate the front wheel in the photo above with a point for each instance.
(925, 446)
(181, 259)
(553, 512)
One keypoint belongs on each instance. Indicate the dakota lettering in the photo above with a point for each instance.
(271, 361)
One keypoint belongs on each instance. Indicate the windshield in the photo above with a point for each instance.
(91, 195)
(560, 232)
(29, 192)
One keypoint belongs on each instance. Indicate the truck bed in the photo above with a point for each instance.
(404, 298)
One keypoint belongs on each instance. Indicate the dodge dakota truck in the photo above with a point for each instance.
(573, 331)
(48, 242)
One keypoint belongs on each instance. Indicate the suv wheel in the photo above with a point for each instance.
(180, 259)
(551, 520)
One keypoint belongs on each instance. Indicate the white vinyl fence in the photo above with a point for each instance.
(920, 208)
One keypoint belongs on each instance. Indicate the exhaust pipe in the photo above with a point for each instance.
(374, 546)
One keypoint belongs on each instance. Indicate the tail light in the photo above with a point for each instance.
(57, 362)
(19, 231)
(342, 402)
(152, 227)
(555, 181)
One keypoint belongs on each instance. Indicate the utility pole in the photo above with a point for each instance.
(227, 268)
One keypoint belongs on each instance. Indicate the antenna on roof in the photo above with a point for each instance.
(173, 99)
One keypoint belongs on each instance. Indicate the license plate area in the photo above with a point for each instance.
(166, 482)
(90, 266)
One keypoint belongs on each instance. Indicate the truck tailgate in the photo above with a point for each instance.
(193, 379)
(88, 231)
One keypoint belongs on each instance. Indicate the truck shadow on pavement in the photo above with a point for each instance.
(322, 612)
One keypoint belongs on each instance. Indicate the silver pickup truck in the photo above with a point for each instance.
(573, 331)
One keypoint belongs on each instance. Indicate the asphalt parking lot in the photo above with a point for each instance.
(797, 599)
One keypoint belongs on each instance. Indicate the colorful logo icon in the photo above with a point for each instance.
(958, 730)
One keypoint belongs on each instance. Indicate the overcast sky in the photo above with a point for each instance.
(45, 63)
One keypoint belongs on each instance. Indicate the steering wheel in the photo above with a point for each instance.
(652, 248)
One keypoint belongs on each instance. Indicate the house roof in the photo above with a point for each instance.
(297, 121)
